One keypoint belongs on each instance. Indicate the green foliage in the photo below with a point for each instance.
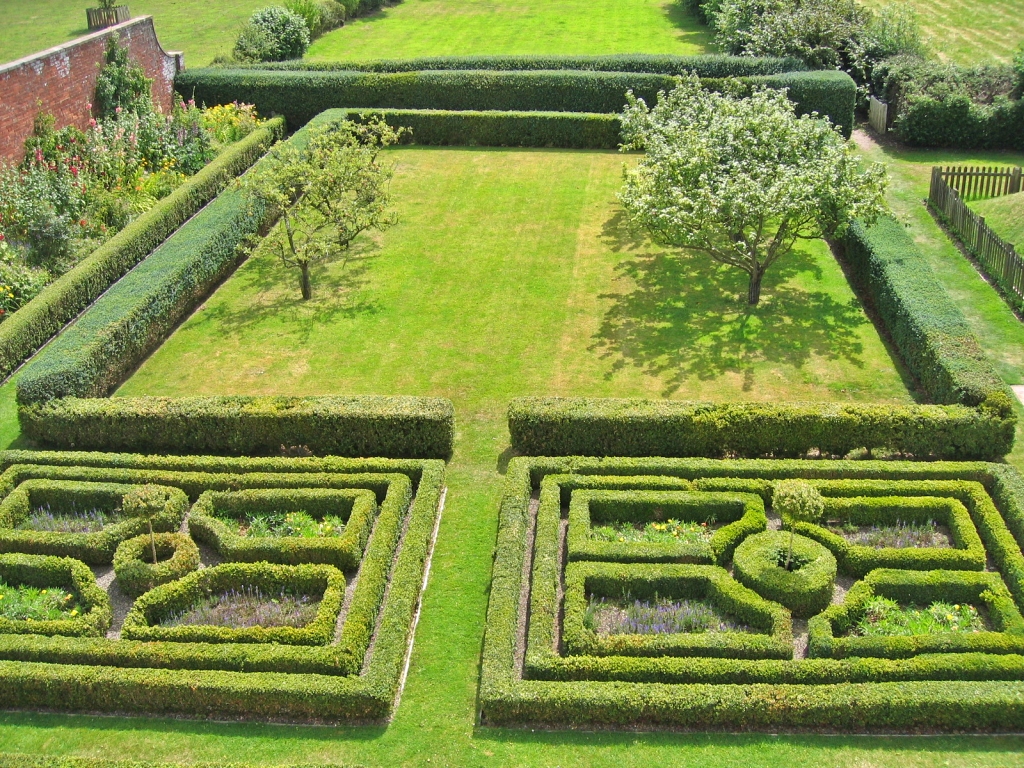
(177, 553)
(207, 522)
(272, 34)
(967, 552)
(616, 427)
(834, 632)
(320, 16)
(798, 500)
(300, 95)
(95, 548)
(93, 616)
(122, 84)
(401, 427)
(740, 515)
(927, 329)
(61, 301)
(143, 621)
(772, 637)
(805, 588)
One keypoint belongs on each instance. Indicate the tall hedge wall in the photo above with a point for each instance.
(397, 427)
(300, 95)
(612, 427)
(34, 324)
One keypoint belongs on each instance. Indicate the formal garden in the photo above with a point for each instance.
(495, 384)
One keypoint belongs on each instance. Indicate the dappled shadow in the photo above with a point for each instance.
(272, 291)
(691, 29)
(687, 318)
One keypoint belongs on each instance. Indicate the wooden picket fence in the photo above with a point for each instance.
(998, 259)
(878, 115)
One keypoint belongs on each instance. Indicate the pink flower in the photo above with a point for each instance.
(118, 110)
(88, 105)
(92, 122)
(2, 238)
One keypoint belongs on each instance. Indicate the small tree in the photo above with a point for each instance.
(800, 502)
(327, 193)
(122, 83)
(146, 502)
(741, 179)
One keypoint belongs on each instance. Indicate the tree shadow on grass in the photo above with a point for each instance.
(271, 291)
(687, 317)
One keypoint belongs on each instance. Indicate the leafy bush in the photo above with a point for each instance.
(177, 553)
(122, 84)
(273, 34)
(618, 427)
(75, 578)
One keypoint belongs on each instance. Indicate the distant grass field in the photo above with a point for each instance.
(1006, 217)
(970, 31)
(447, 27)
(202, 30)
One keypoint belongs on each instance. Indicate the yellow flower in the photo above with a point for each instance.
(43, 592)
(74, 612)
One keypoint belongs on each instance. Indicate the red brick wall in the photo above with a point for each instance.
(62, 80)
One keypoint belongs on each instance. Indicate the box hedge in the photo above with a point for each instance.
(401, 427)
(73, 576)
(28, 329)
(135, 571)
(300, 95)
(552, 426)
(94, 548)
(806, 590)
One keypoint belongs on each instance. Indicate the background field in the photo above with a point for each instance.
(1006, 217)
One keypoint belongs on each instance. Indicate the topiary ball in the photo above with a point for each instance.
(759, 563)
(136, 574)
(798, 500)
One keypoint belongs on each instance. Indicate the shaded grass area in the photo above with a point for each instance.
(464, 27)
(970, 31)
(1005, 215)
(1000, 332)
(201, 30)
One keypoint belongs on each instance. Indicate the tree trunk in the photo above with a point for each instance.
(307, 289)
(754, 289)
(152, 539)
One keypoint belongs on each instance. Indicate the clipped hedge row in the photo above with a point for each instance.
(25, 331)
(771, 638)
(742, 515)
(144, 620)
(343, 550)
(552, 426)
(73, 576)
(709, 65)
(405, 427)
(177, 555)
(827, 631)
(569, 130)
(805, 590)
(967, 552)
(928, 330)
(95, 548)
(300, 95)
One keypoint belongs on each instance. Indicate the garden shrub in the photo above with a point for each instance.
(357, 507)
(759, 563)
(272, 34)
(772, 635)
(967, 552)
(615, 427)
(177, 556)
(24, 332)
(400, 427)
(300, 95)
(742, 514)
(71, 575)
(143, 621)
(95, 548)
(828, 631)
(122, 83)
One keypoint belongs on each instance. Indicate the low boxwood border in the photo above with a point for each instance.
(72, 575)
(343, 551)
(743, 514)
(805, 591)
(772, 639)
(134, 571)
(95, 548)
(826, 632)
(967, 552)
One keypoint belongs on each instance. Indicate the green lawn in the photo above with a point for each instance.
(201, 30)
(970, 31)
(1005, 215)
(463, 27)
(510, 273)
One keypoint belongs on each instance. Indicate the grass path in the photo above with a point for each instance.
(464, 27)
(1005, 215)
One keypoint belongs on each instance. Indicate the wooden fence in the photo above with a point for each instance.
(973, 183)
(998, 259)
(878, 115)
